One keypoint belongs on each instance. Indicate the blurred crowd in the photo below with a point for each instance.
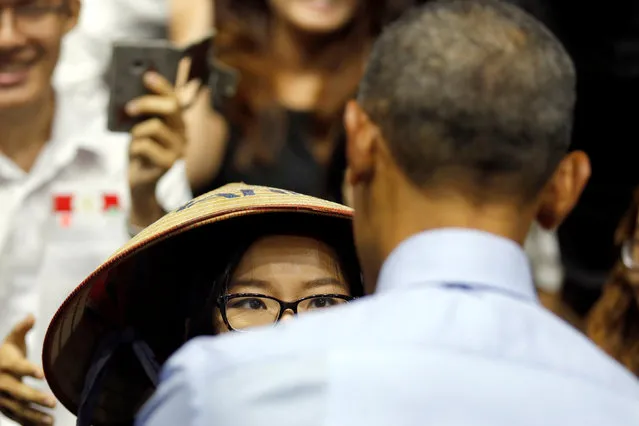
(72, 192)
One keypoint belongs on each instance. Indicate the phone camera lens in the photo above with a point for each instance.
(139, 67)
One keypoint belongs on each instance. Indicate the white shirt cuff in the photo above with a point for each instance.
(173, 189)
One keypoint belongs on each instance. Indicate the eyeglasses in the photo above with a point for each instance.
(630, 254)
(244, 310)
(32, 11)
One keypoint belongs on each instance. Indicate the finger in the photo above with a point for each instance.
(156, 129)
(158, 84)
(164, 106)
(19, 332)
(188, 93)
(20, 367)
(17, 390)
(184, 70)
(22, 413)
(150, 151)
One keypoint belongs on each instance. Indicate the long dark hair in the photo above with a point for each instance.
(613, 323)
(243, 42)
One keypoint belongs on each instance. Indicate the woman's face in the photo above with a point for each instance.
(315, 16)
(286, 269)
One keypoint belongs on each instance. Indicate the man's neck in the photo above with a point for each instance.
(421, 213)
(26, 130)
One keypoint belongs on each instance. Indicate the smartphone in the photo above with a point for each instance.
(130, 60)
(223, 81)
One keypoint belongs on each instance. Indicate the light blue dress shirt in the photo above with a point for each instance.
(453, 336)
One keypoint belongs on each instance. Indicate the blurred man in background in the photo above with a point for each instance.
(63, 190)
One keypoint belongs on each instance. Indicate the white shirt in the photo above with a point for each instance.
(542, 247)
(45, 251)
(454, 336)
(86, 50)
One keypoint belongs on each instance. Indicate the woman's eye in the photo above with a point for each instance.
(322, 302)
(249, 304)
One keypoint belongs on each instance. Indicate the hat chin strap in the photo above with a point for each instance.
(100, 365)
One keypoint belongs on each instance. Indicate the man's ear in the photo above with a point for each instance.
(73, 15)
(360, 143)
(563, 190)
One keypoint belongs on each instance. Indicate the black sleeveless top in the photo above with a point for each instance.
(294, 168)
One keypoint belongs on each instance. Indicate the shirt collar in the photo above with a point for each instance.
(80, 118)
(459, 257)
(79, 129)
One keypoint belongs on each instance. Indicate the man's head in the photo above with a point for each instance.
(464, 112)
(31, 32)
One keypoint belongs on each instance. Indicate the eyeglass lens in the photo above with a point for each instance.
(253, 311)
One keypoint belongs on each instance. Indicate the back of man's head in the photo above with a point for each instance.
(463, 120)
(472, 91)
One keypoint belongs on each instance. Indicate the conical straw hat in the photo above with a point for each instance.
(143, 284)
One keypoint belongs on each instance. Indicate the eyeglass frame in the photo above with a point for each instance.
(284, 306)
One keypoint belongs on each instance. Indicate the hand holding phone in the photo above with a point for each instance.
(156, 144)
(130, 61)
(144, 101)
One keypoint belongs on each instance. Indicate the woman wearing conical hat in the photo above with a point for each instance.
(235, 258)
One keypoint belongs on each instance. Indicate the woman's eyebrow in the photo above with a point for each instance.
(319, 282)
(249, 282)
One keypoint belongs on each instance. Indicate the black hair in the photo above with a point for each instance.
(475, 93)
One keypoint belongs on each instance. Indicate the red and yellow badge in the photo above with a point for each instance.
(66, 205)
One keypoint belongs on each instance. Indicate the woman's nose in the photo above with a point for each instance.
(287, 315)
